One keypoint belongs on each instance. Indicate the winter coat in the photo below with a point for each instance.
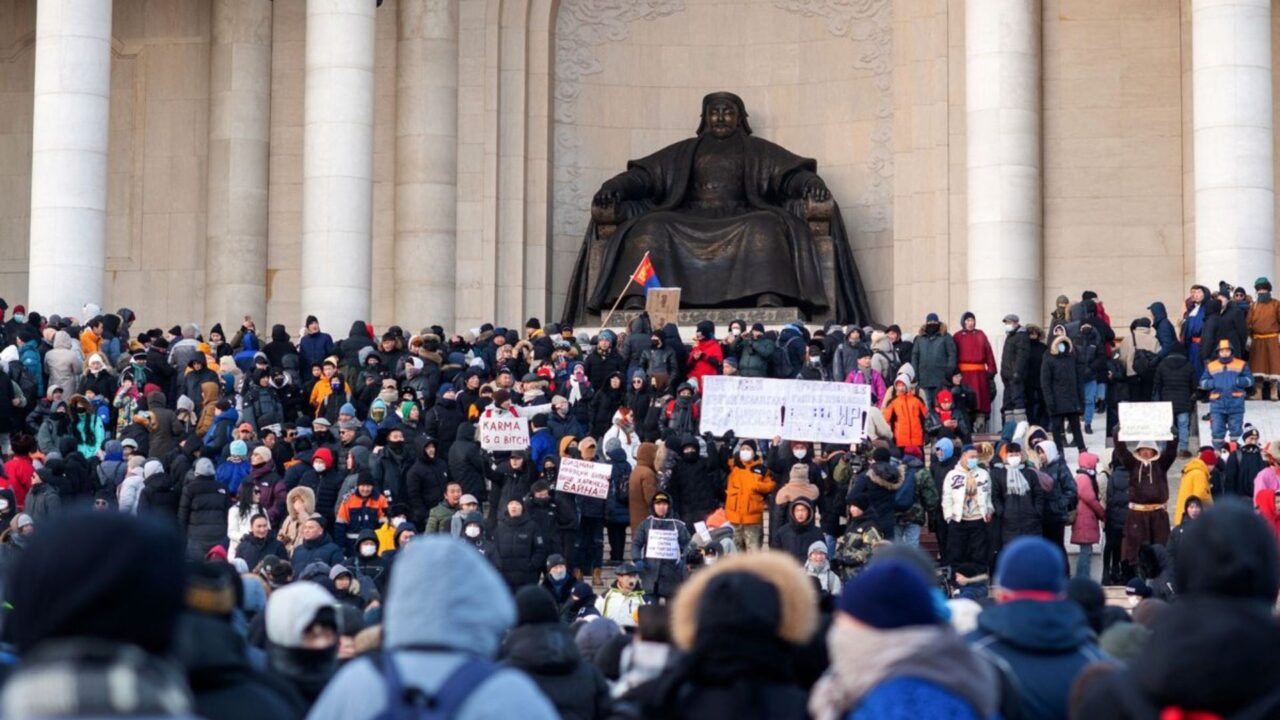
(1015, 358)
(522, 551)
(642, 485)
(252, 550)
(709, 362)
(1194, 483)
(161, 496)
(660, 577)
(1045, 645)
(1019, 513)
(424, 485)
(466, 463)
(1117, 500)
(1060, 379)
(202, 514)
(165, 426)
(224, 683)
(747, 492)
(1227, 383)
(1089, 512)
(320, 549)
(1061, 498)
(1174, 382)
(795, 538)
(547, 653)
(1148, 482)
(1166, 336)
(754, 358)
(1140, 338)
(1242, 467)
(1229, 324)
(906, 414)
(696, 485)
(934, 358)
(599, 366)
(879, 485)
(663, 360)
(63, 363)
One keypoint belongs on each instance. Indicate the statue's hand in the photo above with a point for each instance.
(606, 198)
(816, 190)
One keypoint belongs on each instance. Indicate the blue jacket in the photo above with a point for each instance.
(1228, 384)
(321, 549)
(445, 596)
(29, 354)
(230, 474)
(542, 444)
(313, 349)
(1166, 336)
(1043, 646)
(908, 698)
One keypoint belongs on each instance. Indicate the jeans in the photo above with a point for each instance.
(1083, 560)
(1221, 424)
(1090, 398)
(907, 534)
(1183, 421)
(748, 537)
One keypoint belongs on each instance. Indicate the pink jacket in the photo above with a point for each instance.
(1089, 512)
(1267, 479)
(876, 382)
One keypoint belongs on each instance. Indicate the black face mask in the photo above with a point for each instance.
(396, 445)
(689, 457)
(655, 343)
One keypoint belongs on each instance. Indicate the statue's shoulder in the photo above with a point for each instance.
(759, 146)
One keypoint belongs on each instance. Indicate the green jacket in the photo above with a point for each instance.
(439, 518)
(754, 360)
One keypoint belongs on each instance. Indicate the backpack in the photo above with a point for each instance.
(905, 496)
(622, 489)
(19, 375)
(1144, 363)
(410, 703)
(780, 363)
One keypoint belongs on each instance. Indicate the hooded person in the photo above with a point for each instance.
(1229, 576)
(893, 656)
(661, 573)
(302, 632)
(446, 611)
(741, 625)
(202, 510)
(103, 656)
(543, 648)
(1035, 631)
(1148, 518)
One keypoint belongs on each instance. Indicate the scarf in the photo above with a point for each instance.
(864, 657)
(1015, 483)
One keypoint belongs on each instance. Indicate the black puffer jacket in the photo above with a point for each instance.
(1174, 381)
(425, 482)
(160, 496)
(1019, 513)
(696, 485)
(795, 538)
(466, 463)
(1059, 379)
(1117, 500)
(547, 654)
(1219, 324)
(521, 551)
(202, 514)
(879, 485)
(251, 550)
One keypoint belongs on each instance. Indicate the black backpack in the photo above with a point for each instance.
(1144, 363)
(18, 373)
(410, 703)
(780, 363)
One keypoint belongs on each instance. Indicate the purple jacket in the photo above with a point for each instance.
(858, 376)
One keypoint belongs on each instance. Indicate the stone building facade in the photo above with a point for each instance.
(433, 160)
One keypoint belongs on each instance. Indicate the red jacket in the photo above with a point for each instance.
(18, 473)
(709, 362)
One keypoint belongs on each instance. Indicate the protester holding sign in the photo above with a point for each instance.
(746, 496)
(660, 543)
(1148, 520)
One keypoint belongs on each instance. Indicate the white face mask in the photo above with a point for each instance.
(710, 559)
(472, 531)
(746, 454)
(800, 453)
(368, 550)
(319, 467)
(4, 504)
(1013, 461)
(1134, 600)
(556, 575)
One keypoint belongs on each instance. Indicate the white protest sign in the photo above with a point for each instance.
(793, 409)
(504, 432)
(701, 528)
(662, 545)
(583, 477)
(1146, 421)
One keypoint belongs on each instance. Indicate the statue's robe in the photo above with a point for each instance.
(721, 254)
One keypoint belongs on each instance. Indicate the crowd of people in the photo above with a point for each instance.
(280, 526)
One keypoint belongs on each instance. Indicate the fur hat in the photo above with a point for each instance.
(795, 605)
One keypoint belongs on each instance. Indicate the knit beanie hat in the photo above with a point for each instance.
(534, 604)
(888, 595)
(239, 448)
(1032, 564)
(612, 444)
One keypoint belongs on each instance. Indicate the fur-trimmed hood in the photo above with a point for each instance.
(891, 482)
(799, 616)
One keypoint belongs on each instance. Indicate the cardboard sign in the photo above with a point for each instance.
(662, 545)
(503, 433)
(701, 528)
(662, 304)
(1146, 421)
(793, 409)
(583, 477)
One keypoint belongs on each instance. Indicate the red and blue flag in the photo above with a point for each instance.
(645, 274)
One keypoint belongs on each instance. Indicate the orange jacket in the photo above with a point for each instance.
(905, 413)
(748, 486)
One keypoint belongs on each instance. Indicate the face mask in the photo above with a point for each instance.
(1010, 328)
(653, 343)
(556, 575)
(972, 463)
(319, 467)
(4, 504)
(396, 445)
(472, 531)
(1134, 600)
(800, 453)
(19, 318)
(368, 549)
(1264, 296)
(1013, 461)
(1062, 347)
(710, 559)
(746, 454)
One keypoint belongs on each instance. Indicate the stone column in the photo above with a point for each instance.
(337, 162)
(1005, 203)
(426, 161)
(69, 155)
(1234, 148)
(239, 157)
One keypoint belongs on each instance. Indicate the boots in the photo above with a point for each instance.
(596, 580)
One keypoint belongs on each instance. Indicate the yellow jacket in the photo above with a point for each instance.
(1195, 481)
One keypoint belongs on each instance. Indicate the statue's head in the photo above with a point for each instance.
(723, 114)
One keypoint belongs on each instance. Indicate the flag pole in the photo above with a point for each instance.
(630, 279)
